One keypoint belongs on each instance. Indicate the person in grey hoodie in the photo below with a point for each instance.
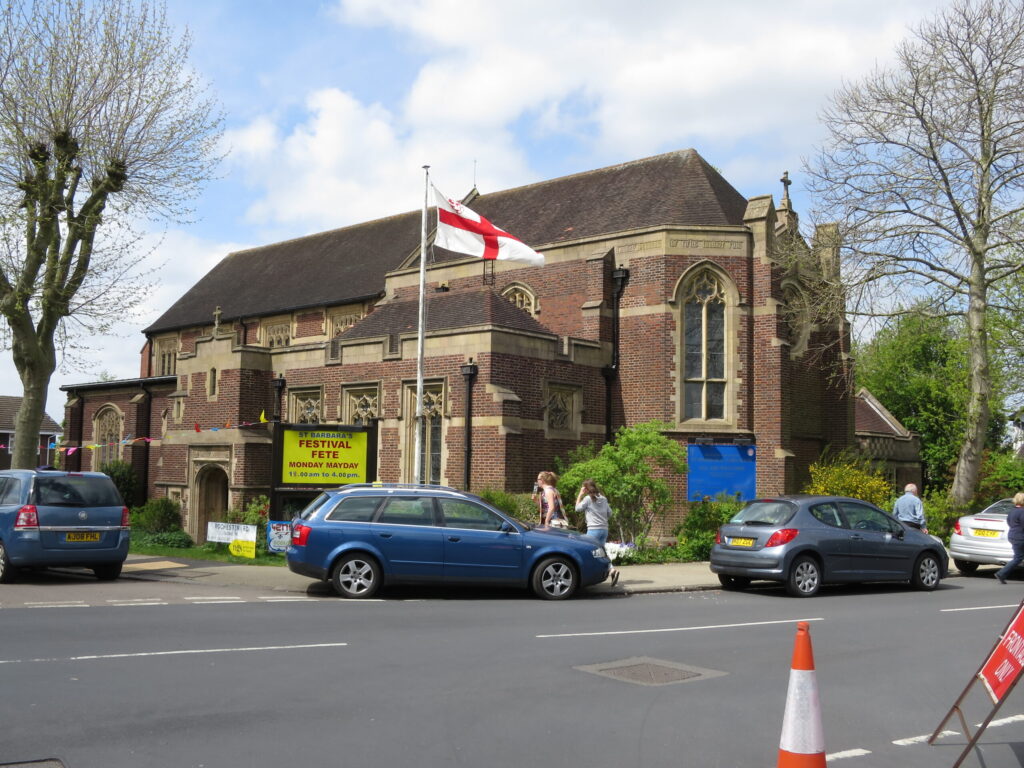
(594, 505)
(1016, 536)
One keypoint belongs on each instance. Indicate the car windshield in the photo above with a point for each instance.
(769, 512)
(1001, 507)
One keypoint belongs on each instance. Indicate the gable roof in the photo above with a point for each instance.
(459, 309)
(871, 416)
(9, 405)
(349, 264)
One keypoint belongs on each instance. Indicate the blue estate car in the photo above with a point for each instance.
(54, 518)
(363, 536)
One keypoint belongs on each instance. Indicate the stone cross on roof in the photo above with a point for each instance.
(216, 320)
(786, 181)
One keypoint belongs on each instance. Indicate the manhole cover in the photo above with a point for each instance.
(646, 671)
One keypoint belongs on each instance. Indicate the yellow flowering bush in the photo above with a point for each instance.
(850, 476)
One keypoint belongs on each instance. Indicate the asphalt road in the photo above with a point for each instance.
(166, 674)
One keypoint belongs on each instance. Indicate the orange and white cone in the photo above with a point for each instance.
(803, 742)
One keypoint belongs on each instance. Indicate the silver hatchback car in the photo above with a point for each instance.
(980, 539)
(807, 541)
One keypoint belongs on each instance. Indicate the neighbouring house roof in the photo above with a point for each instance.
(349, 264)
(9, 405)
(459, 309)
(871, 417)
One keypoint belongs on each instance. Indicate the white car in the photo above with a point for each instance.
(980, 539)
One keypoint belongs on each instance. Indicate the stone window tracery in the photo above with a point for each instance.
(562, 410)
(342, 322)
(704, 348)
(306, 406)
(277, 335)
(431, 433)
(521, 297)
(107, 434)
(361, 405)
(167, 356)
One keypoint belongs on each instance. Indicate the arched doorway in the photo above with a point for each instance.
(211, 499)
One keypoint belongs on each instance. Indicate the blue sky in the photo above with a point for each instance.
(331, 108)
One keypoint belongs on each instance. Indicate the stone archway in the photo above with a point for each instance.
(210, 499)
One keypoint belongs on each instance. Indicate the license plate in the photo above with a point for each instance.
(81, 537)
(742, 542)
(986, 533)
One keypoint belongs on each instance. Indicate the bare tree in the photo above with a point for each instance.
(102, 124)
(923, 170)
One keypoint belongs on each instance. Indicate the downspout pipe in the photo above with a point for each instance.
(620, 279)
(469, 372)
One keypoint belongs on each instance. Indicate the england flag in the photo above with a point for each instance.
(463, 231)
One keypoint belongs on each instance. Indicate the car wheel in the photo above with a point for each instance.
(356, 576)
(733, 582)
(554, 579)
(966, 567)
(107, 571)
(926, 572)
(6, 569)
(804, 577)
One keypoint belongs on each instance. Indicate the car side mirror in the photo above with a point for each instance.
(507, 527)
(900, 534)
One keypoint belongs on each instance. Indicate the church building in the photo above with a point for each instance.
(665, 294)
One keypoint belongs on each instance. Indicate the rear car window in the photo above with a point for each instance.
(408, 510)
(357, 509)
(765, 513)
(76, 491)
(313, 506)
(10, 490)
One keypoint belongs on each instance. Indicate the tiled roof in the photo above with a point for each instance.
(459, 309)
(677, 188)
(871, 416)
(9, 405)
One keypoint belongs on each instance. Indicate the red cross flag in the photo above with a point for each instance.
(463, 231)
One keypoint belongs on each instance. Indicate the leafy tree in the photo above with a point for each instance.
(917, 367)
(631, 472)
(125, 479)
(923, 172)
(101, 122)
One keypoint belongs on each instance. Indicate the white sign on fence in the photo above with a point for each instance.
(241, 539)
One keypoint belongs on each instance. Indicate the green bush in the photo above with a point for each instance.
(696, 548)
(940, 514)
(175, 539)
(160, 515)
(707, 515)
(518, 505)
(125, 479)
(850, 475)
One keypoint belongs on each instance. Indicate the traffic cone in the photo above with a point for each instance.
(803, 742)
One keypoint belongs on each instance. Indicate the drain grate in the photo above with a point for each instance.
(646, 671)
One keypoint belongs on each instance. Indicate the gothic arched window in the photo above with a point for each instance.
(704, 347)
(106, 435)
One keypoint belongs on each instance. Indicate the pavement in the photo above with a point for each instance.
(635, 579)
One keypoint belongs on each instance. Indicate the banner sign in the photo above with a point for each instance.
(1003, 666)
(323, 457)
(241, 539)
(279, 536)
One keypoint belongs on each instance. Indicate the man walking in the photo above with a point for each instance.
(909, 509)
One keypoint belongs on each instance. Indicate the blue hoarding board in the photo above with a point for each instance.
(715, 469)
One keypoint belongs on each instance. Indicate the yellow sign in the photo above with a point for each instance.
(240, 548)
(323, 457)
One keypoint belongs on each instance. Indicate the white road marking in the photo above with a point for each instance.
(232, 601)
(847, 753)
(679, 629)
(1002, 721)
(978, 608)
(284, 599)
(58, 604)
(148, 654)
(214, 597)
(134, 603)
(922, 739)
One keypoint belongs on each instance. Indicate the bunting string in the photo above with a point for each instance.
(130, 440)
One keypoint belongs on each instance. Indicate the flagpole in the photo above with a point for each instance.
(417, 462)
